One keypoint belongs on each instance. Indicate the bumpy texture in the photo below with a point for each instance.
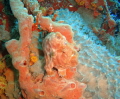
(59, 54)
(3, 84)
(39, 82)
(96, 60)
(62, 75)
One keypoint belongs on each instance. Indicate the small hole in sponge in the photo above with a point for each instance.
(54, 69)
(73, 85)
(24, 63)
(41, 93)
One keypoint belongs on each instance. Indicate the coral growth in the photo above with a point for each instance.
(2, 65)
(60, 54)
(12, 89)
(95, 59)
(3, 84)
(4, 24)
(56, 80)
(57, 4)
